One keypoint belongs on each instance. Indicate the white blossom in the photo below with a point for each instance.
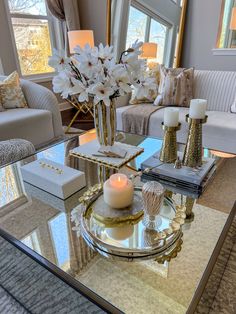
(103, 52)
(102, 93)
(144, 87)
(81, 89)
(94, 72)
(62, 84)
(58, 60)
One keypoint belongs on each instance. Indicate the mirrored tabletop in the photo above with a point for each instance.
(40, 224)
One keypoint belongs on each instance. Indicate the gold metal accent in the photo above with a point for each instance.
(105, 125)
(90, 194)
(220, 24)
(189, 202)
(179, 49)
(173, 254)
(168, 194)
(93, 193)
(168, 152)
(119, 221)
(108, 22)
(84, 107)
(193, 149)
(104, 173)
(45, 165)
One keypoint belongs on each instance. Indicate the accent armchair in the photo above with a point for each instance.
(40, 123)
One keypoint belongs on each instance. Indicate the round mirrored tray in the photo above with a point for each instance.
(130, 240)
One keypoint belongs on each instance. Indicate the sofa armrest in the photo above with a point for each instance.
(39, 97)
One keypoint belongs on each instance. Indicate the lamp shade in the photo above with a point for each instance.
(233, 19)
(80, 38)
(149, 51)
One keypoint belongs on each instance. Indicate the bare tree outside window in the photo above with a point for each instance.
(31, 29)
(37, 7)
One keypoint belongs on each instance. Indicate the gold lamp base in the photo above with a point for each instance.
(168, 152)
(193, 149)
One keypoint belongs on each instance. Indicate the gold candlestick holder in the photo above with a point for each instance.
(193, 149)
(168, 152)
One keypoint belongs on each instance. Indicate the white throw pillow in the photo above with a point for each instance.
(233, 107)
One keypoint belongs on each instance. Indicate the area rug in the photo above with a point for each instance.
(27, 287)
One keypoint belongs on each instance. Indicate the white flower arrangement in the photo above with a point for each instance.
(94, 73)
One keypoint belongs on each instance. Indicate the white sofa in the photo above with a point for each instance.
(219, 133)
(40, 123)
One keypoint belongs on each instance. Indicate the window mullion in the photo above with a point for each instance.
(148, 27)
(29, 16)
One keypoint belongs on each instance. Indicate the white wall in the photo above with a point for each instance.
(200, 37)
(93, 16)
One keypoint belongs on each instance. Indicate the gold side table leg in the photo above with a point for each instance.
(168, 194)
(104, 173)
(72, 121)
(189, 202)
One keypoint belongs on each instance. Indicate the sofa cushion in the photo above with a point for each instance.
(218, 87)
(33, 125)
(218, 133)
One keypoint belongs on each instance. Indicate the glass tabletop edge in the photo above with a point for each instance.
(213, 259)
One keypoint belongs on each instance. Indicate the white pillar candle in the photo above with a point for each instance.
(118, 191)
(197, 108)
(171, 117)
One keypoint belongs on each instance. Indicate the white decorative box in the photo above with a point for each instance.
(64, 205)
(62, 183)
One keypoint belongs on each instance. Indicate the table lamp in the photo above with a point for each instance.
(233, 19)
(149, 51)
(80, 38)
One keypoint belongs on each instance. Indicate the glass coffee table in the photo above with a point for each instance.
(39, 224)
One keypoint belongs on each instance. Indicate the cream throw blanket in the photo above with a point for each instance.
(136, 118)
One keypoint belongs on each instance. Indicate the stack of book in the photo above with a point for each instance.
(189, 181)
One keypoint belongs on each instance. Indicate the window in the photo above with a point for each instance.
(33, 33)
(148, 29)
(59, 232)
(32, 241)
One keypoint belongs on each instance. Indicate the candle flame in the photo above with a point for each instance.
(118, 181)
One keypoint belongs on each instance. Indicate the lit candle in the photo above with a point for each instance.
(197, 108)
(171, 117)
(118, 191)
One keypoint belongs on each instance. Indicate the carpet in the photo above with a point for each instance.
(27, 287)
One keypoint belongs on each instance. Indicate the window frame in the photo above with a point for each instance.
(151, 15)
(57, 41)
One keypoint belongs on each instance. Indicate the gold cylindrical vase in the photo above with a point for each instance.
(105, 123)
(168, 152)
(193, 149)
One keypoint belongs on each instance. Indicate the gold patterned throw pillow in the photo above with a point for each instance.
(11, 95)
(176, 87)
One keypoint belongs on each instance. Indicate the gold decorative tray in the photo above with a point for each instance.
(129, 239)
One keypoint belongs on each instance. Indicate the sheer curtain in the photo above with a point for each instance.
(66, 11)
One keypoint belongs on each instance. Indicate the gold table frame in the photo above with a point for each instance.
(84, 107)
